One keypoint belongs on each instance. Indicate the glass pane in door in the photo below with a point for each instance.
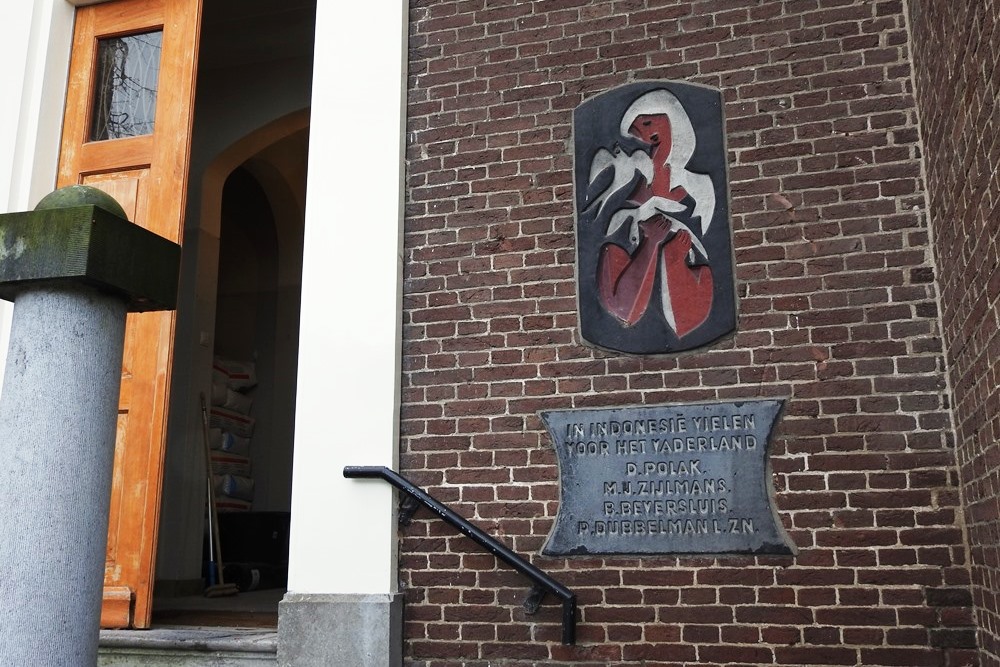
(126, 78)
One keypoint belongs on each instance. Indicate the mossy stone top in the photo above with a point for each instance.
(79, 234)
(81, 195)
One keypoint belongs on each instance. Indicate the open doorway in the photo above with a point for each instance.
(238, 312)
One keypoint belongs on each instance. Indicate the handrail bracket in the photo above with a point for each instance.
(533, 600)
(408, 506)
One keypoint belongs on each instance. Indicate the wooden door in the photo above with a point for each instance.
(127, 131)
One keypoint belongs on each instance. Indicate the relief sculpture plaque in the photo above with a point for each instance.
(670, 479)
(654, 249)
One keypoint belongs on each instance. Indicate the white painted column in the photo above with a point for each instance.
(343, 533)
(35, 40)
(14, 31)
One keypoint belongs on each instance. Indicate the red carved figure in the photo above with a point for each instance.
(655, 131)
(664, 247)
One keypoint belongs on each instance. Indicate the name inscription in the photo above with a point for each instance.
(674, 479)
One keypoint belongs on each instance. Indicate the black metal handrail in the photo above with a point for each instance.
(543, 583)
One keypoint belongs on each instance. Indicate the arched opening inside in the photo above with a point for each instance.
(257, 209)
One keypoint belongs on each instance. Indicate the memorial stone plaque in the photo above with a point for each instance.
(670, 479)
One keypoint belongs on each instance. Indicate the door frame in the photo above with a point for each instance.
(37, 115)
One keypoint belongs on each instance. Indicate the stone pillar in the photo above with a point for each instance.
(57, 440)
(73, 272)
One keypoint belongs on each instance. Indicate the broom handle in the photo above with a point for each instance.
(213, 517)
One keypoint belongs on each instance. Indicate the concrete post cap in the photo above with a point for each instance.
(79, 234)
(81, 195)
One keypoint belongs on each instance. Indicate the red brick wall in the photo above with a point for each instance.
(956, 48)
(838, 314)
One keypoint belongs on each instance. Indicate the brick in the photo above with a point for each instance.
(838, 315)
(949, 597)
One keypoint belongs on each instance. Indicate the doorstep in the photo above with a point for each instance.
(179, 646)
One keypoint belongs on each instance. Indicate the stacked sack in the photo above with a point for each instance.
(231, 428)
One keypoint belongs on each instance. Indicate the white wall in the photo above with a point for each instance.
(14, 32)
(343, 533)
(35, 42)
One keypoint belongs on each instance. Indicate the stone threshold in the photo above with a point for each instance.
(192, 640)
